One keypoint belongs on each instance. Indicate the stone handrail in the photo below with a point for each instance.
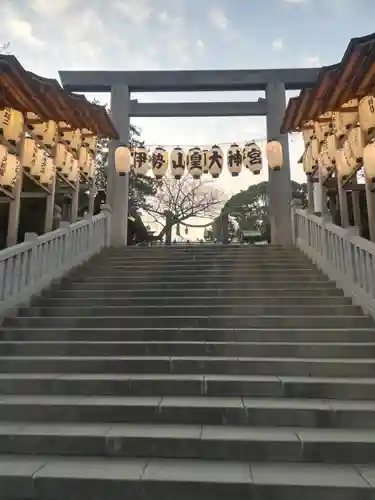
(341, 254)
(29, 267)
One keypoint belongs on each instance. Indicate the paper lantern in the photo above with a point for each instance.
(252, 158)
(344, 120)
(29, 154)
(48, 176)
(349, 155)
(234, 160)
(159, 162)
(331, 144)
(67, 167)
(194, 162)
(73, 175)
(325, 156)
(344, 163)
(275, 155)
(11, 125)
(46, 132)
(323, 169)
(308, 164)
(369, 161)
(215, 161)
(82, 158)
(72, 138)
(366, 110)
(61, 157)
(91, 167)
(140, 160)
(39, 167)
(10, 169)
(325, 127)
(205, 161)
(315, 149)
(178, 161)
(357, 143)
(308, 133)
(122, 160)
(89, 142)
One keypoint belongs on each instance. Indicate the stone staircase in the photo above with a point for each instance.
(205, 372)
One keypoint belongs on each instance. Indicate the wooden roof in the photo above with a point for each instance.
(28, 92)
(353, 77)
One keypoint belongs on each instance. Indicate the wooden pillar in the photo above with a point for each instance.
(50, 207)
(370, 201)
(343, 201)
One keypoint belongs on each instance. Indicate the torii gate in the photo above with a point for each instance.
(120, 84)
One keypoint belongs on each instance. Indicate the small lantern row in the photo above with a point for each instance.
(197, 161)
(338, 140)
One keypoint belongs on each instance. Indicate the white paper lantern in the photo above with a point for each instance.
(11, 125)
(323, 169)
(215, 161)
(122, 160)
(343, 120)
(325, 156)
(349, 155)
(315, 149)
(323, 128)
(205, 161)
(178, 160)
(275, 155)
(369, 161)
(90, 142)
(72, 138)
(67, 167)
(308, 133)
(29, 154)
(82, 158)
(73, 175)
(344, 165)
(140, 161)
(357, 142)
(159, 162)
(252, 158)
(308, 164)
(194, 162)
(234, 160)
(38, 169)
(49, 175)
(366, 110)
(10, 169)
(46, 132)
(331, 144)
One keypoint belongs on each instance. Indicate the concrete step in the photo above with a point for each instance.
(202, 309)
(88, 478)
(229, 322)
(244, 266)
(199, 272)
(341, 350)
(256, 412)
(206, 442)
(121, 334)
(170, 287)
(202, 365)
(269, 386)
(190, 301)
(209, 292)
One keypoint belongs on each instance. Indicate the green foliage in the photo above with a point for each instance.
(250, 207)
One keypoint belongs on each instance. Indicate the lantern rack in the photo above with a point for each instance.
(36, 182)
(5, 195)
(64, 180)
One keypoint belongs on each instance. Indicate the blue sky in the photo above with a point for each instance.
(48, 35)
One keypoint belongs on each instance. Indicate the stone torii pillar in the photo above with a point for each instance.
(279, 185)
(118, 187)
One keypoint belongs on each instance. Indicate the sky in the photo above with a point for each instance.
(52, 35)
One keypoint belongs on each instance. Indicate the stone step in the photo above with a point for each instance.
(198, 271)
(88, 478)
(121, 334)
(92, 301)
(202, 365)
(250, 266)
(202, 309)
(256, 412)
(206, 442)
(209, 292)
(193, 348)
(187, 385)
(229, 322)
(172, 286)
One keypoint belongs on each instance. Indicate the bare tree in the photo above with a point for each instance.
(179, 200)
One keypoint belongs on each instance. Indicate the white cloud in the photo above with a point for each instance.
(313, 61)
(218, 18)
(22, 31)
(278, 44)
(169, 20)
(137, 11)
(295, 1)
(199, 44)
(49, 7)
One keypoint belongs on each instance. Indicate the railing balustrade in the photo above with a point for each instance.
(341, 254)
(29, 267)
